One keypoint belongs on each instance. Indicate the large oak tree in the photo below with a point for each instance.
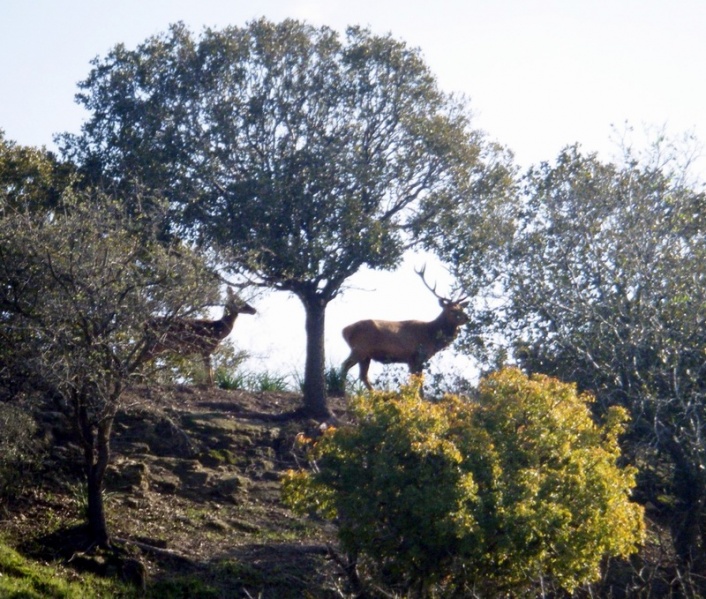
(300, 154)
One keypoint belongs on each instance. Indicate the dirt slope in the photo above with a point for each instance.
(195, 474)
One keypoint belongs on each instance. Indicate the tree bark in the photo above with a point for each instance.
(315, 403)
(96, 475)
(96, 512)
(96, 449)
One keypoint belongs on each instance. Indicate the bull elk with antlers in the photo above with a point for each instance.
(410, 342)
(195, 336)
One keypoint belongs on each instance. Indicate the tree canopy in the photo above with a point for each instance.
(300, 154)
(30, 178)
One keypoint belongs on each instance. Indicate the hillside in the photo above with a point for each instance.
(194, 480)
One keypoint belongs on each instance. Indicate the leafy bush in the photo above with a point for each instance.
(19, 450)
(189, 368)
(495, 495)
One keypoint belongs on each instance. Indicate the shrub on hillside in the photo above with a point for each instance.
(19, 449)
(516, 488)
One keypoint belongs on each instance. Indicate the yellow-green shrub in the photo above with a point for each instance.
(480, 496)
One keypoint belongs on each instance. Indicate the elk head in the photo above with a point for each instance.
(453, 312)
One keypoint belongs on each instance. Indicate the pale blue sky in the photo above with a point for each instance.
(540, 74)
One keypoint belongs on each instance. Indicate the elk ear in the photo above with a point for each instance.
(443, 302)
(464, 304)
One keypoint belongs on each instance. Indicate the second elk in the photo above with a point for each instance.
(194, 336)
(411, 342)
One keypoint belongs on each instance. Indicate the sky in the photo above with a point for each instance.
(539, 74)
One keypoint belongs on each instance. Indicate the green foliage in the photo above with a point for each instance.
(335, 383)
(31, 179)
(475, 497)
(174, 368)
(357, 133)
(227, 359)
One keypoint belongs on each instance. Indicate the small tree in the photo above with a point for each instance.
(475, 497)
(78, 284)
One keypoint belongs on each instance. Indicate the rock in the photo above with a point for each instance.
(229, 487)
(216, 524)
(172, 439)
(130, 476)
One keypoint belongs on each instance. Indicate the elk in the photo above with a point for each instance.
(410, 342)
(194, 336)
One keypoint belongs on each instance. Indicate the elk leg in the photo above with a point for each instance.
(347, 365)
(416, 364)
(415, 368)
(364, 365)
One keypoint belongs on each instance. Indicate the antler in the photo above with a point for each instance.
(447, 300)
(421, 272)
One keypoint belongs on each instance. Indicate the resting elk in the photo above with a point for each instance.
(195, 336)
(410, 342)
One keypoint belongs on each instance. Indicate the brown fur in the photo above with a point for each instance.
(195, 336)
(410, 342)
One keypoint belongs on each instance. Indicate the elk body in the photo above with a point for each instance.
(410, 342)
(189, 336)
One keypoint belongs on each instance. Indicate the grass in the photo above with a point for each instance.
(21, 578)
(265, 381)
(230, 381)
(256, 381)
(336, 384)
(335, 381)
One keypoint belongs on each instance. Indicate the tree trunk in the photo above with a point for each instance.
(96, 450)
(95, 478)
(96, 512)
(315, 404)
